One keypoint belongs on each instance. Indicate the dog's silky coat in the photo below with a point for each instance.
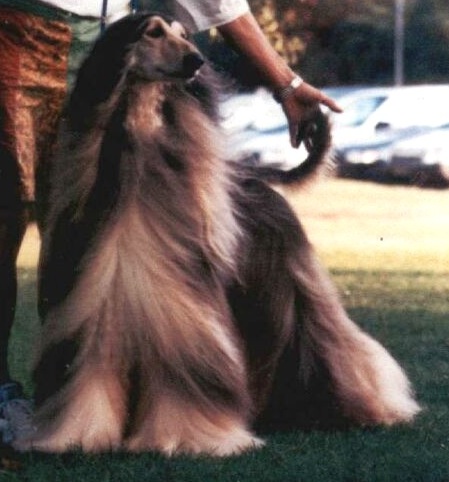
(183, 306)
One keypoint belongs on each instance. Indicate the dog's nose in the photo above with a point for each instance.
(191, 63)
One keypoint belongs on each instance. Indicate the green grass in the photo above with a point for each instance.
(398, 291)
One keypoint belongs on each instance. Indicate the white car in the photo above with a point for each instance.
(256, 110)
(424, 159)
(259, 131)
(269, 147)
(373, 111)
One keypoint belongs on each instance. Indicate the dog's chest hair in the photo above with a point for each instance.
(190, 136)
(155, 246)
(145, 110)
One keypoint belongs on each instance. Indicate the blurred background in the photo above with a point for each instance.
(385, 61)
(351, 42)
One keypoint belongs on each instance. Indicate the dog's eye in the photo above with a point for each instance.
(155, 32)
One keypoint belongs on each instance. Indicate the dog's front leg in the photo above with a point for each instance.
(176, 425)
(89, 414)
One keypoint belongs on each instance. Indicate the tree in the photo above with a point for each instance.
(344, 42)
(353, 42)
(427, 38)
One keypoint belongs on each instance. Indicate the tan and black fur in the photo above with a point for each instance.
(183, 305)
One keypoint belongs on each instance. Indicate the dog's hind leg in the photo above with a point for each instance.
(296, 327)
(369, 385)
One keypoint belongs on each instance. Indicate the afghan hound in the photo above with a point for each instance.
(184, 310)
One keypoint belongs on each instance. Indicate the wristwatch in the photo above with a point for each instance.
(283, 93)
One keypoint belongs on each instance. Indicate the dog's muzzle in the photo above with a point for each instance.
(191, 63)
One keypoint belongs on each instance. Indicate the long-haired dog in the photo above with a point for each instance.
(183, 305)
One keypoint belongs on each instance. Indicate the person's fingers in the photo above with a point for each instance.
(310, 95)
(293, 128)
(300, 107)
(297, 116)
(328, 102)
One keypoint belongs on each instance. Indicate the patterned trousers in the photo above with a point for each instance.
(40, 52)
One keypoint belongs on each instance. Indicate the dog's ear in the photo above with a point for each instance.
(102, 70)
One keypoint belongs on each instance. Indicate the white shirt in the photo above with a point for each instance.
(92, 8)
(198, 14)
(205, 14)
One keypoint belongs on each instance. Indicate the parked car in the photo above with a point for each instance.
(358, 108)
(373, 119)
(267, 146)
(363, 142)
(241, 111)
(375, 111)
(423, 159)
(369, 158)
(258, 128)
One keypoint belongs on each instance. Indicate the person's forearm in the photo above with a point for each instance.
(246, 37)
(299, 99)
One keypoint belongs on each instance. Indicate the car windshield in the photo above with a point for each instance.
(357, 111)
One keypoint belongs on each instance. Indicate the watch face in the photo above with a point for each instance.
(281, 94)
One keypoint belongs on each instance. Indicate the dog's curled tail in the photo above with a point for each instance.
(315, 133)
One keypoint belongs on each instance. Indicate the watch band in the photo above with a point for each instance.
(283, 93)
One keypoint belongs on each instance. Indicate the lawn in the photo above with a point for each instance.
(388, 251)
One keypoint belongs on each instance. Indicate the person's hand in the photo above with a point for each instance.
(300, 105)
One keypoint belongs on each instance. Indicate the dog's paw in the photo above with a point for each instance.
(69, 437)
(91, 418)
(59, 443)
(375, 388)
(237, 444)
(180, 429)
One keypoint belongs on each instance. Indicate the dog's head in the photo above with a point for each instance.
(164, 52)
(146, 46)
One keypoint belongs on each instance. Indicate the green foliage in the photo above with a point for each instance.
(354, 42)
(427, 37)
(350, 53)
(283, 23)
(345, 42)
